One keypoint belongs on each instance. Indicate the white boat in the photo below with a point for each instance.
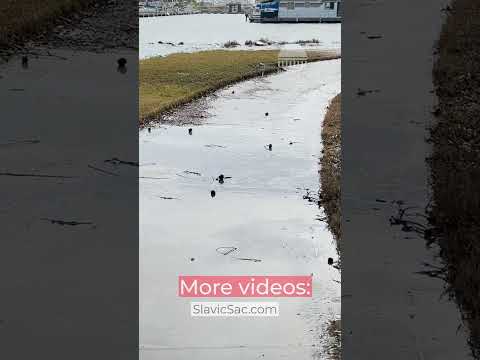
(297, 11)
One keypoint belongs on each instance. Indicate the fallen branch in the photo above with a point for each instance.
(70, 223)
(102, 171)
(36, 175)
(117, 161)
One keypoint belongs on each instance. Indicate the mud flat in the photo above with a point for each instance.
(264, 209)
(43, 25)
(455, 162)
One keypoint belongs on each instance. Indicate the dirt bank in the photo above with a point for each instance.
(21, 19)
(455, 169)
(76, 24)
(174, 80)
(331, 167)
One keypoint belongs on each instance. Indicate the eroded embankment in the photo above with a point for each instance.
(330, 172)
(455, 170)
(331, 167)
(174, 80)
(19, 19)
(37, 26)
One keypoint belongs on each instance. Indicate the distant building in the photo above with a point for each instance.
(234, 8)
(297, 11)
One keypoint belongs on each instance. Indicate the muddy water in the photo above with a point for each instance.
(261, 210)
(201, 32)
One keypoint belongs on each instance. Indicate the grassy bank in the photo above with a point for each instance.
(167, 82)
(19, 19)
(331, 167)
(455, 161)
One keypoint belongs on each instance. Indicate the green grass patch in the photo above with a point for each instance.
(19, 19)
(166, 82)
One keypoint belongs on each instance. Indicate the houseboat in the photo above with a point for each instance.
(297, 11)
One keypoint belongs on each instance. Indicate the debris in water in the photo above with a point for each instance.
(192, 172)
(25, 62)
(408, 225)
(269, 147)
(117, 161)
(20, 142)
(214, 145)
(220, 178)
(36, 175)
(167, 198)
(332, 263)
(266, 114)
(149, 130)
(362, 92)
(226, 250)
(153, 178)
(373, 37)
(190, 131)
(248, 259)
(213, 193)
(122, 62)
(102, 170)
(192, 259)
(70, 223)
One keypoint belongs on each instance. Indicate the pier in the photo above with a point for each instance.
(154, 12)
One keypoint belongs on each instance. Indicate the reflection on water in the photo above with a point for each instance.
(211, 31)
(261, 210)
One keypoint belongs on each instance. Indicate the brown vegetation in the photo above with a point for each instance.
(455, 161)
(174, 80)
(19, 19)
(330, 170)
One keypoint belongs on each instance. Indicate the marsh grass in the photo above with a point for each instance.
(174, 80)
(455, 160)
(167, 82)
(330, 169)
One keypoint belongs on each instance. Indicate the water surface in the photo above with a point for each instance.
(210, 31)
(261, 210)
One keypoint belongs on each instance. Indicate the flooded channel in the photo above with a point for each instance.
(212, 31)
(261, 208)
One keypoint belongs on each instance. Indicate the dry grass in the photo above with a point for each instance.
(455, 162)
(331, 167)
(167, 82)
(335, 334)
(19, 19)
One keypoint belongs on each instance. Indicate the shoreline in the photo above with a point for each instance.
(159, 76)
(330, 170)
(82, 25)
(453, 216)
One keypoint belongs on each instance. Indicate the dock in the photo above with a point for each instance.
(155, 12)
